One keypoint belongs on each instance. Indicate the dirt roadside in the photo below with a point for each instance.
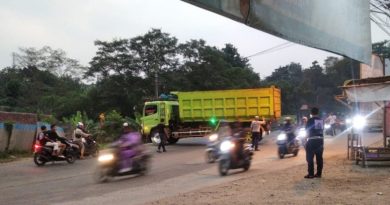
(343, 182)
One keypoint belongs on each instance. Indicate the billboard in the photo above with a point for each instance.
(338, 26)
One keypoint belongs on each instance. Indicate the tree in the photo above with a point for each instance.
(48, 59)
(288, 78)
(155, 51)
(33, 90)
(382, 49)
(113, 57)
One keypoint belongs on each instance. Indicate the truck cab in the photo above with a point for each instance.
(156, 112)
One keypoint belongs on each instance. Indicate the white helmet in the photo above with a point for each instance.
(80, 124)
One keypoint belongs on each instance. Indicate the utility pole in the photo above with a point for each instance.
(156, 80)
(13, 59)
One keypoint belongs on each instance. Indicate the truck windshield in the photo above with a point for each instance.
(150, 110)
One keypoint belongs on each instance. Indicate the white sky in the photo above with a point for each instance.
(73, 25)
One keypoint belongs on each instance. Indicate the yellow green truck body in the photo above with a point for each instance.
(192, 111)
(229, 105)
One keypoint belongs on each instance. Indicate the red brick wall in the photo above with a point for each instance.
(25, 118)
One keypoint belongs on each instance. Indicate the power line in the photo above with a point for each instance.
(272, 49)
(379, 25)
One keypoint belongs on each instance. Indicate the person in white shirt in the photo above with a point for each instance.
(256, 130)
(78, 135)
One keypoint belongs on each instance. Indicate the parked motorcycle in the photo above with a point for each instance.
(109, 165)
(285, 146)
(43, 154)
(212, 150)
(229, 156)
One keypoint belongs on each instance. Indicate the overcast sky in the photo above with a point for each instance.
(73, 25)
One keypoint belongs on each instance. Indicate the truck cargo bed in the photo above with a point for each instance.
(229, 105)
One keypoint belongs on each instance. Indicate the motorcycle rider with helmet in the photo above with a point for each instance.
(130, 144)
(288, 128)
(78, 134)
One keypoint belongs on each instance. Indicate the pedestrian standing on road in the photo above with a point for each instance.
(255, 129)
(315, 144)
(162, 131)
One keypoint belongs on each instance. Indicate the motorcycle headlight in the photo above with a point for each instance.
(226, 146)
(106, 158)
(348, 121)
(302, 133)
(281, 137)
(327, 126)
(213, 137)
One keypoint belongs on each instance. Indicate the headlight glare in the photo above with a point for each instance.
(106, 158)
(282, 137)
(226, 146)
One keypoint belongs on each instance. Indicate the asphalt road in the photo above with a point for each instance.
(181, 169)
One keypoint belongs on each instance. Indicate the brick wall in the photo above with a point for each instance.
(24, 118)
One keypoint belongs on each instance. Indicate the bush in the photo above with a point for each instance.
(111, 128)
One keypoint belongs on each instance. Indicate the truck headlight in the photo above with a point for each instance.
(213, 137)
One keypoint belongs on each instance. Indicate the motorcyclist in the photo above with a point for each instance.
(40, 139)
(52, 139)
(224, 130)
(288, 128)
(238, 134)
(78, 134)
(304, 122)
(129, 144)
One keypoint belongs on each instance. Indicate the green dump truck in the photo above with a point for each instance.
(197, 113)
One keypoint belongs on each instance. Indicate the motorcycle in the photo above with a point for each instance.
(229, 158)
(109, 165)
(91, 147)
(285, 146)
(328, 129)
(43, 154)
(212, 150)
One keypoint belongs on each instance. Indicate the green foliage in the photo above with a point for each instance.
(79, 117)
(9, 156)
(46, 118)
(112, 127)
(382, 49)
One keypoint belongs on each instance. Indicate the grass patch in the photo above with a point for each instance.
(13, 155)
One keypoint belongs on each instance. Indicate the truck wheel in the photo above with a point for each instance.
(172, 140)
(155, 138)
